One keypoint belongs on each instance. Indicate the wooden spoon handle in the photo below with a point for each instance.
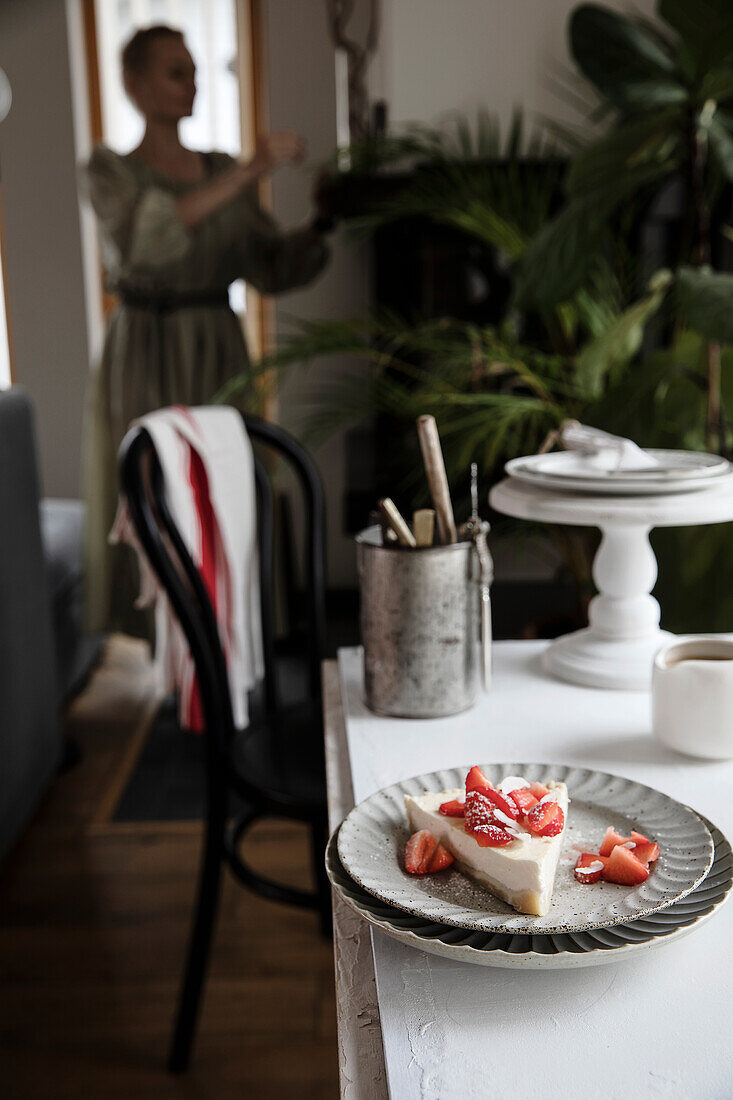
(423, 524)
(432, 456)
(393, 517)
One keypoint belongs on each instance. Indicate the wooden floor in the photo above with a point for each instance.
(93, 923)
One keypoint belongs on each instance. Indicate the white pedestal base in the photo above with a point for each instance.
(617, 649)
(585, 658)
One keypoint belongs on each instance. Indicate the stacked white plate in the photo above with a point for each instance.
(446, 914)
(675, 472)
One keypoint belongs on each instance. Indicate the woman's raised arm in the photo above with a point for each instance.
(279, 147)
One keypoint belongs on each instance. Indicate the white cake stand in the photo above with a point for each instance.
(617, 649)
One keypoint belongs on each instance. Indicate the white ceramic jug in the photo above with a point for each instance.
(692, 697)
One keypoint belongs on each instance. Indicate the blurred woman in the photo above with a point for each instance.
(177, 227)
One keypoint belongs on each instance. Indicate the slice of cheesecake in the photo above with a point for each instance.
(521, 873)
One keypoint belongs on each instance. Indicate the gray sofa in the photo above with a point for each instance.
(44, 656)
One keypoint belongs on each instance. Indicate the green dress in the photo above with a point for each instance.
(173, 338)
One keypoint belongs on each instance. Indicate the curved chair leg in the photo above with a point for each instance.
(259, 884)
(319, 840)
(199, 947)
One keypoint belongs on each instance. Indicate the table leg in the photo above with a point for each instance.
(617, 649)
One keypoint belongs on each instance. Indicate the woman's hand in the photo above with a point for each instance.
(279, 147)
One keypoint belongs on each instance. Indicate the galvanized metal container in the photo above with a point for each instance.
(419, 626)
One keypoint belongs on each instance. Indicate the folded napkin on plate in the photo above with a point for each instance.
(599, 450)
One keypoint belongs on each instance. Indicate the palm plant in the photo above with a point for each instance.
(493, 393)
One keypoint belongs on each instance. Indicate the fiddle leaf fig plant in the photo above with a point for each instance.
(667, 88)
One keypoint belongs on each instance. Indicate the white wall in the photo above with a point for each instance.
(42, 237)
(441, 55)
(302, 97)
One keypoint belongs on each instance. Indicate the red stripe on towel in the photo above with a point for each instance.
(207, 526)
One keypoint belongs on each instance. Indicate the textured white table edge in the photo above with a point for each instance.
(362, 1072)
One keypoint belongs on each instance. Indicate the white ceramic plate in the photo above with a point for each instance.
(540, 952)
(372, 839)
(679, 472)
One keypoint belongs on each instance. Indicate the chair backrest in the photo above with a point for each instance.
(161, 540)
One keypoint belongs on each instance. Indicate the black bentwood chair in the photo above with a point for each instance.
(276, 765)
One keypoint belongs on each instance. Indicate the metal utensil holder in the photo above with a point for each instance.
(419, 617)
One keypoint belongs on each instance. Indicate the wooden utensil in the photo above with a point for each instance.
(423, 525)
(393, 518)
(432, 455)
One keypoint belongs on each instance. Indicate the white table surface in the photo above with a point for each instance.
(657, 1025)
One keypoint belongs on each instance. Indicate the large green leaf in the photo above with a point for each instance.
(626, 63)
(618, 345)
(705, 299)
(705, 27)
(647, 146)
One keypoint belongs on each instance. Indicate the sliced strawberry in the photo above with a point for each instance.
(504, 804)
(479, 810)
(639, 838)
(476, 780)
(611, 839)
(646, 853)
(539, 790)
(454, 808)
(442, 858)
(419, 851)
(523, 799)
(491, 836)
(589, 867)
(624, 868)
(586, 858)
(545, 819)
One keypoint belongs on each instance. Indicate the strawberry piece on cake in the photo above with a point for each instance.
(491, 836)
(454, 808)
(523, 799)
(479, 810)
(506, 805)
(545, 819)
(476, 780)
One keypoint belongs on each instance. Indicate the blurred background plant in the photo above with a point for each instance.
(583, 326)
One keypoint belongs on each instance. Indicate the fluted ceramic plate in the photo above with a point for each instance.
(545, 951)
(372, 839)
(678, 472)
